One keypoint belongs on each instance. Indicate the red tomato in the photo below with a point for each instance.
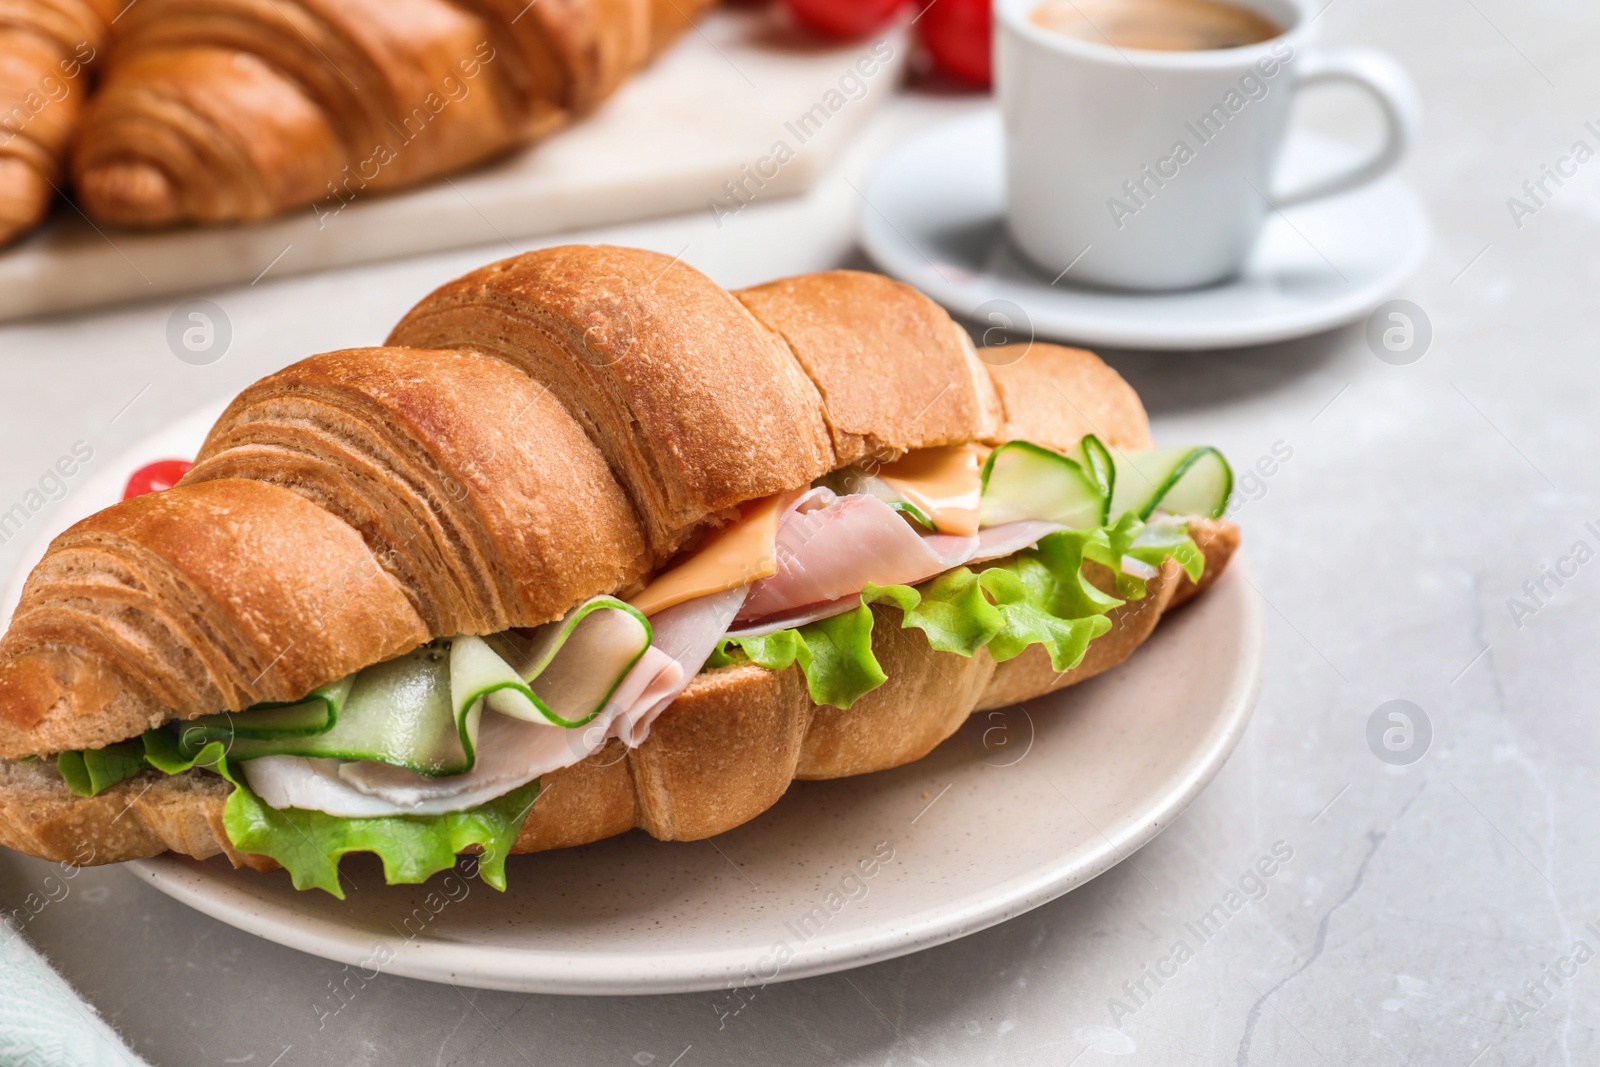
(154, 477)
(957, 34)
(844, 18)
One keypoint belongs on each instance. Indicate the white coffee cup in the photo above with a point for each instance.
(1096, 178)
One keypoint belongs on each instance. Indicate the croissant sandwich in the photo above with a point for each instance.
(591, 544)
(227, 110)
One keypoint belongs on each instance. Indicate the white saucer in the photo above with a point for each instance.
(933, 219)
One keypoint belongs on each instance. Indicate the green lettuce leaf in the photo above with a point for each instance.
(413, 848)
(775, 652)
(94, 770)
(950, 610)
(1152, 544)
(1022, 592)
(834, 654)
(1053, 572)
(1160, 541)
(842, 668)
(309, 844)
(1039, 596)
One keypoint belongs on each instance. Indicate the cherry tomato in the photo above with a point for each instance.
(957, 35)
(154, 477)
(844, 18)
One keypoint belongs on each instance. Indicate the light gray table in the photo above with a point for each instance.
(1422, 904)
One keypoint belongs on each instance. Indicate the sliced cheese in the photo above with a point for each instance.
(733, 557)
(946, 483)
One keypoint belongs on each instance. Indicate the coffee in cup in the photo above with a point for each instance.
(1157, 25)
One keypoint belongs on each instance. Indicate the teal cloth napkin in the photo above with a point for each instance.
(43, 1023)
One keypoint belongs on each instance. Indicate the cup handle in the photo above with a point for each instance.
(1396, 94)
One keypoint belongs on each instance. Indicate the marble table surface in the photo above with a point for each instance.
(1424, 535)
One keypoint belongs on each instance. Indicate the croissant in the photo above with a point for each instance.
(547, 429)
(47, 49)
(227, 110)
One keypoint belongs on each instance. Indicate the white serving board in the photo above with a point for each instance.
(714, 104)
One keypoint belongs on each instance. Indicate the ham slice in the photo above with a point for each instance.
(833, 550)
(684, 636)
(830, 547)
(510, 751)
(1007, 539)
(789, 620)
(993, 543)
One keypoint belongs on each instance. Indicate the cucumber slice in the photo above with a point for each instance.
(399, 712)
(1093, 487)
(1024, 481)
(312, 715)
(566, 671)
(914, 513)
(1179, 481)
(420, 711)
(1096, 461)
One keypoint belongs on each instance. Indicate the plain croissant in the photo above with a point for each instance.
(546, 429)
(47, 48)
(225, 110)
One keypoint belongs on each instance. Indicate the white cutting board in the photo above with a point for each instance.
(712, 109)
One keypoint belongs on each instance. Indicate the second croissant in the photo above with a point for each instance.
(212, 111)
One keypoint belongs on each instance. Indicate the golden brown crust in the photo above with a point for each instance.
(470, 483)
(722, 756)
(202, 133)
(926, 697)
(894, 372)
(695, 405)
(586, 802)
(1218, 539)
(216, 110)
(669, 18)
(1053, 396)
(217, 595)
(143, 816)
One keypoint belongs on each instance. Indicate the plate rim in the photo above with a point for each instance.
(878, 235)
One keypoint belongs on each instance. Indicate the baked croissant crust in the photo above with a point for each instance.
(227, 110)
(47, 48)
(550, 428)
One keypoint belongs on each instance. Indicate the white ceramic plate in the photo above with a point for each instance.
(933, 218)
(1018, 808)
